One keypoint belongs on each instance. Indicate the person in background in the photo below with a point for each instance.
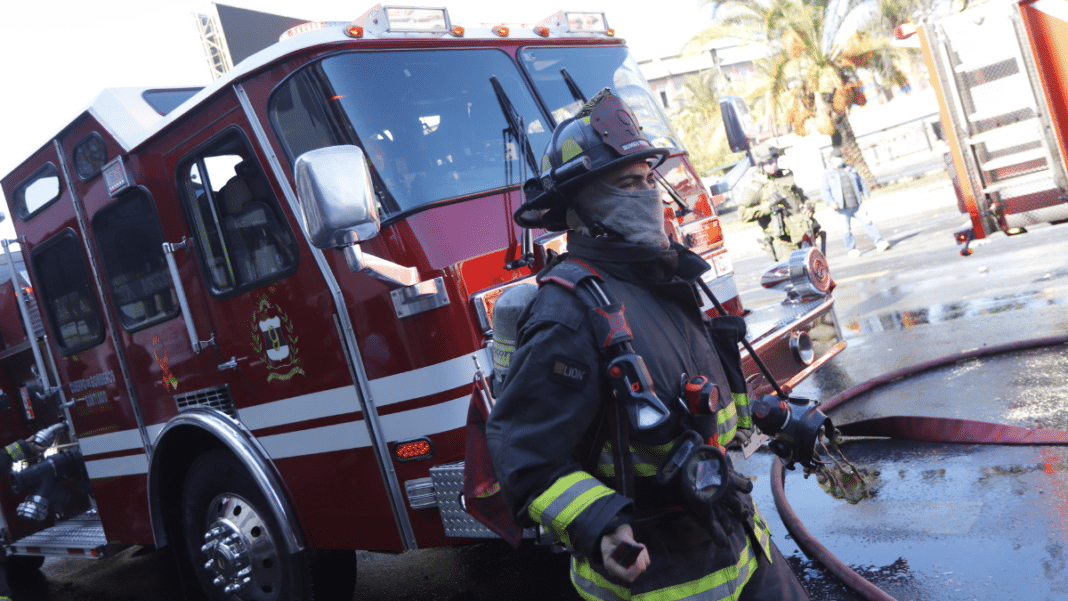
(843, 190)
(777, 205)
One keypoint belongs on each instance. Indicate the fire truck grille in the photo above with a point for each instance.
(217, 398)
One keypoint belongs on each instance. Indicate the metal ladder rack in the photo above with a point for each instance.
(998, 114)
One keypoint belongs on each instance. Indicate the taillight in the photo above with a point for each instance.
(413, 450)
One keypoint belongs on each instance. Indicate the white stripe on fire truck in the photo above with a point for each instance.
(397, 388)
(112, 441)
(429, 380)
(424, 421)
(327, 403)
(129, 465)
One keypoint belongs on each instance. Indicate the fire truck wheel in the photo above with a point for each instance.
(232, 539)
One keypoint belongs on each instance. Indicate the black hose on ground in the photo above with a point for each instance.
(793, 524)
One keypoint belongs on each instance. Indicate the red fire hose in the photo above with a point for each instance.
(930, 429)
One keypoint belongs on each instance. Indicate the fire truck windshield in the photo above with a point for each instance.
(590, 69)
(429, 121)
(432, 124)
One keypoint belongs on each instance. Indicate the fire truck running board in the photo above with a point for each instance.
(79, 536)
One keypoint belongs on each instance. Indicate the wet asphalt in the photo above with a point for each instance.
(946, 522)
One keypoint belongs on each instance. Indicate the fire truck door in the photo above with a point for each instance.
(269, 311)
(84, 348)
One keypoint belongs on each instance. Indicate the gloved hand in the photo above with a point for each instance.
(713, 493)
(731, 509)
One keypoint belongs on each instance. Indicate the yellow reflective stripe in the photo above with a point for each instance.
(763, 532)
(645, 458)
(726, 423)
(722, 585)
(15, 452)
(593, 586)
(565, 500)
(745, 414)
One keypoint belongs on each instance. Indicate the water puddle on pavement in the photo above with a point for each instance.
(901, 320)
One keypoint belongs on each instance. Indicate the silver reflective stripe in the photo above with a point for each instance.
(583, 578)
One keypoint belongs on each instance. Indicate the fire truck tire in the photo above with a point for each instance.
(232, 539)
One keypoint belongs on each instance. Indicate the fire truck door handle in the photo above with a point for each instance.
(179, 290)
(231, 364)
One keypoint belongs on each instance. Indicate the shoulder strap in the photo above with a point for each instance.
(610, 328)
(582, 280)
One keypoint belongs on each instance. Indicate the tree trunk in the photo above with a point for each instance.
(844, 138)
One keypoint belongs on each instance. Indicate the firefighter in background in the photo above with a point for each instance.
(553, 434)
(23, 450)
(774, 202)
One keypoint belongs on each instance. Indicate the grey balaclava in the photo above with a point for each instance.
(637, 215)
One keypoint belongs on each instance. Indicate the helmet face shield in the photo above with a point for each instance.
(605, 135)
(617, 127)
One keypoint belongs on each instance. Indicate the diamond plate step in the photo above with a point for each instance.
(79, 535)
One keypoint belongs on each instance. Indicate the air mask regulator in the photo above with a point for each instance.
(797, 426)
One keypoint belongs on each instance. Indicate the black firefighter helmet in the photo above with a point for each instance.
(604, 135)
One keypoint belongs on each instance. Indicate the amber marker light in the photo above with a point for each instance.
(501, 30)
(354, 31)
(542, 31)
(413, 450)
(458, 31)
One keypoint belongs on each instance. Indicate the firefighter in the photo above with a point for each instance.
(777, 205)
(554, 433)
(22, 450)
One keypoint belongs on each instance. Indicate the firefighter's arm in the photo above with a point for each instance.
(549, 400)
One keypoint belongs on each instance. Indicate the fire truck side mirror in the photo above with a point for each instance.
(335, 194)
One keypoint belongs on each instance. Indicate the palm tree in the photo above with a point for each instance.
(700, 124)
(815, 49)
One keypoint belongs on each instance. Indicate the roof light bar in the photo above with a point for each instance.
(574, 23)
(587, 23)
(381, 20)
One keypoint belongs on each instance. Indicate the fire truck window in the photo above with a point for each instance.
(443, 135)
(37, 192)
(296, 111)
(242, 237)
(593, 69)
(130, 240)
(69, 302)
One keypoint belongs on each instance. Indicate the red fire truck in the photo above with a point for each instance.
(1004, 111)
(258, 306)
